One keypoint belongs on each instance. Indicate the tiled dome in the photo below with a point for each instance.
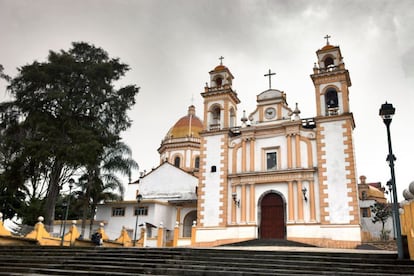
(189, 125)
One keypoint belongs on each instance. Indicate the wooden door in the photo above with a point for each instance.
(272, 222)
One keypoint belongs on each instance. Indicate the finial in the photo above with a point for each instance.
(296, 113)
(244, 118)
(327, 37)
(221, 60)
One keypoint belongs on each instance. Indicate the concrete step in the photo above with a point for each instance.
(185, 261)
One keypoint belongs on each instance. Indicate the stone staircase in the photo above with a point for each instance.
(36, 260)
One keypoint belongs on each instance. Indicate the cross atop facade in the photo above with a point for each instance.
(270, 74)
(221, 60)
(327, 37)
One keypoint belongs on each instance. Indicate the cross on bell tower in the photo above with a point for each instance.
(327, 37)
(221, 60)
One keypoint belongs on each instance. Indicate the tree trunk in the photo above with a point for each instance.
(52, 193)
(93, 211)
(85, 214)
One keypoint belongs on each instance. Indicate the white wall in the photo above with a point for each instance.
(211, 206)
(337, 191)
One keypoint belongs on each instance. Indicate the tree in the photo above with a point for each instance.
(381, 211)
(68, 110)
(100, 181)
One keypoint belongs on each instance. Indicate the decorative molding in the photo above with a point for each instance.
(272, 176)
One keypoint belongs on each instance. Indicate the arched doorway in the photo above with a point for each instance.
(272, 217)
(188, 223)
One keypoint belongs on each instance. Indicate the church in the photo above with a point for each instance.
(268, 175)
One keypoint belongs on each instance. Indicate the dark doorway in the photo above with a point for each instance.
(272, 217)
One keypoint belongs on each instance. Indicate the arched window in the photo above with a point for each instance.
(215, 117)
(177, 161)
(188, 223)
(331, 98)
(197, 163)
(219, 81)
(329, 62)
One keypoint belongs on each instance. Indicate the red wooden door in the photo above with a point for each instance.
(272, 222)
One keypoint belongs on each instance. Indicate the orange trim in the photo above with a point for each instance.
(345, 96)
(252, 151)
(252, 203)
(201, 185)
(223, 201)
(351, 174)
(226, 114)
(300, 201)
(297, 150)
(312, 201)
(233, 207)
(193, 235)
(176, 236)
(279, 111)
(234, 157)
(318, 99)
(291, 214)
(289, 153)
(160, 237)
(243, 204)
(243, 164)
(321, 161)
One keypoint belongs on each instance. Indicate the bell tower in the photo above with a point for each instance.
(220, 107)
(334, 141)
(331, 81)
(220, 101)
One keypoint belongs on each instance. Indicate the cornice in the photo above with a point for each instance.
(272, 176)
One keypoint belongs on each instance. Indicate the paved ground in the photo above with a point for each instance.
(307, 249)
(387, 247)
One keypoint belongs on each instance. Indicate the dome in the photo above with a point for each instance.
(220, 67)
(189, 125)
(327, 47)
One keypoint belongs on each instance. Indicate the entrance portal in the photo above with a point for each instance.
(272, 218)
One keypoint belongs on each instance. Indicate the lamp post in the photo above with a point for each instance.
(139, 198)
(71, 182)
(386, 112)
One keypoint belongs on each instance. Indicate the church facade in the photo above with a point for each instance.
(278, 176)
(272, 176)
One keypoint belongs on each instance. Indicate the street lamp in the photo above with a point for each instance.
(139, 198)
(386, 112)
(71, 182)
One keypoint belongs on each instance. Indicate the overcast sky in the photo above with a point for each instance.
(172, 45)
